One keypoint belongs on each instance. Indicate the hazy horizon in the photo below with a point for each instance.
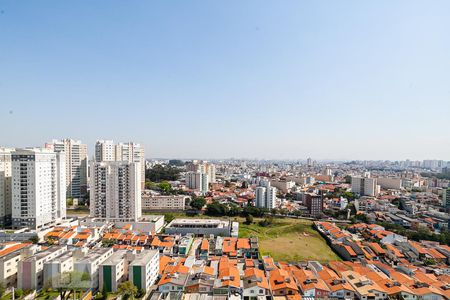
(330, 80)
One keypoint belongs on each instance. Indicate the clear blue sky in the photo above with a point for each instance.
(217, 79)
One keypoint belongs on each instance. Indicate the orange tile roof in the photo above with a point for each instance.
(10, 249)
(205, 245)
(262, 281)
(280, 279)
(243, 243)
(377, 248)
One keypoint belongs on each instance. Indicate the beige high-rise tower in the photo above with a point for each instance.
(76, 165)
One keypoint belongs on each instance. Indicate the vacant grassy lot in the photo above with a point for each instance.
(285, 239)
(289, 240)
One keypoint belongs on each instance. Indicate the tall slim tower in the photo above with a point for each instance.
(76, 165)
(5, 186)
(38, 187)
(129, 152)
(115, 191)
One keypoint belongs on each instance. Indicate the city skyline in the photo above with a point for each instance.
(332, 81)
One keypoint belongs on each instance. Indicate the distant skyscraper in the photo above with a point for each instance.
(266, 196)
(105, 151)
(38, 187)
(129, 152)
(76, 165)
(115, 190)
(446, 197)
(5, 186)
(203, 167)
(197, 181)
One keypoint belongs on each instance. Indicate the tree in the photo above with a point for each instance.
(127, 289)
(69, 201)
(249, 219)
(108, 243)
(18, 293)
(234, 210)
(160, 173)
(34, 239)
(198, 203)
(168, 217)
(216, 209)
(165, 186)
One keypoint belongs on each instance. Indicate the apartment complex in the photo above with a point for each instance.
(144, 269)
(31, 270)
(113, 271)
(90, 264)
(365, 186)
(76, 165)
(128, 152)
(172, 202)
(5, 186)
(197, 181)
(313, 202)
(38, 187)
(203, 167)
(446, 197)
(115, 190)
(266, 196)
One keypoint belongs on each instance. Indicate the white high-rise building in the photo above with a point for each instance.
(105, 151)
(365, 186)
(197, 181)
(203, 167)
(129, 152)
(76, 165)
(266, 196)
(115, 191)
(132, 152)
(5, 186)
(260, 192)
(38, 187)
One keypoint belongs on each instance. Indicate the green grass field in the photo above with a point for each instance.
(285, 239)
(289, 240)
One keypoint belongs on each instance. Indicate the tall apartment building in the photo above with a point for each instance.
(5, 186)
(203, 167)
(115, 190)
(446, 197)
(38, 187)
(76, 165)
(266, 196)
(364, 186)
(313, 202)
(129, 152)
(197, 181)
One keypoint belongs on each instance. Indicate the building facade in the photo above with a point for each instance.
(172, 202)
(76, 165)
(115, 191)
(144, 269)
(266, 196)
(197, 181)
(128, 152)
(38, 187)
(364, 186)
(5, 186)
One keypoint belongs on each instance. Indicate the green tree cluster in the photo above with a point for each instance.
(162, 172)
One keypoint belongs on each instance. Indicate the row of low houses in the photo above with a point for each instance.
(97, 269)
